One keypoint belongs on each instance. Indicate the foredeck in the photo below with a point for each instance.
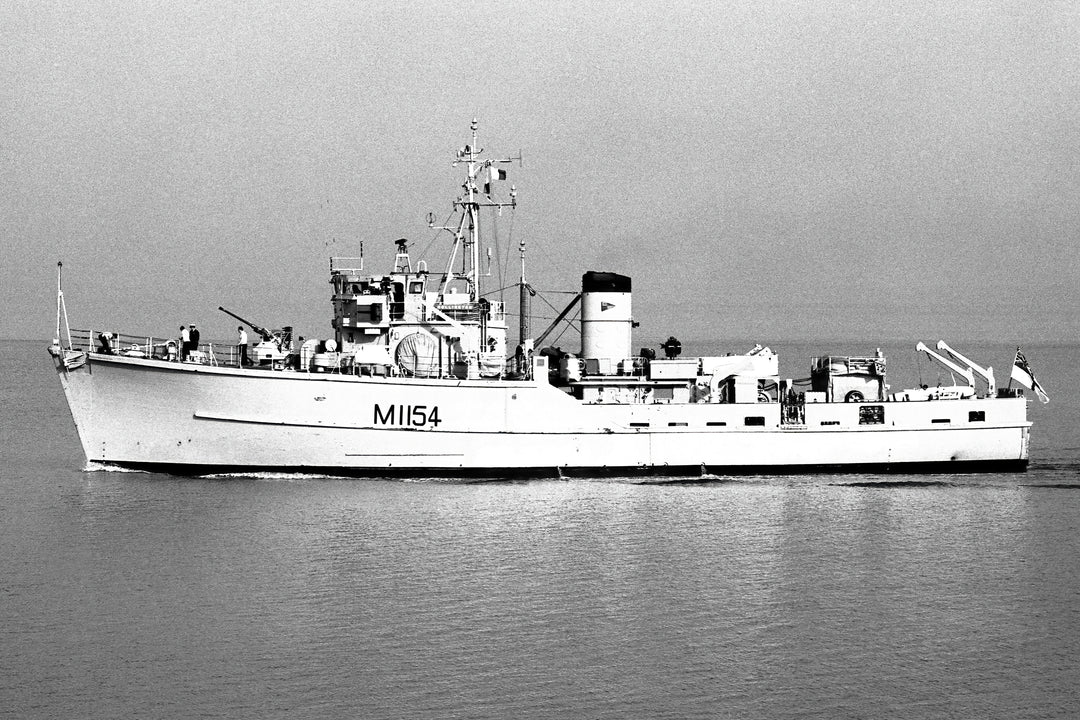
(156, 348)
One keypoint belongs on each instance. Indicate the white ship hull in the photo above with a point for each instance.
(152, 414)
(421, 377)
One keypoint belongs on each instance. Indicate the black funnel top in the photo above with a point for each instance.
(604, 282)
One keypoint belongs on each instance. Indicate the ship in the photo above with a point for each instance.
(423, 377)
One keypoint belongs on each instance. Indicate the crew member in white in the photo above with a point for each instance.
(241, 346)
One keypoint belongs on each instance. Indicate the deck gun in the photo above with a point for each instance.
(263, 332)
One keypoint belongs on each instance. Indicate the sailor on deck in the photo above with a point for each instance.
(242, 346)
(672, 348)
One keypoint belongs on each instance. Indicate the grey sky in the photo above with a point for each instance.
(777, 170)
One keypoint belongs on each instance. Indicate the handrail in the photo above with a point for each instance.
(152, 348)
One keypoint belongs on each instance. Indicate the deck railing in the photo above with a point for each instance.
(154, 348)
(223, 354)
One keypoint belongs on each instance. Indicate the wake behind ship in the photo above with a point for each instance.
(421, 377)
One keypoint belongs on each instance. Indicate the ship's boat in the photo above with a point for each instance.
(422, 377)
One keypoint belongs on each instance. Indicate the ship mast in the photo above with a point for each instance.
(61, 306)
(467, 232)
(472, 209)
(523, 299)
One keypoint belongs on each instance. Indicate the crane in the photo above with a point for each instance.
(961, 371)
(986, 373)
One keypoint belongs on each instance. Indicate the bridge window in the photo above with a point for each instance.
(754, 420)
(977, 416)
(369, 313)
(397, 307)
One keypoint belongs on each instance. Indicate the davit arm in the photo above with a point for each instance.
(986, 373)
(963, 372)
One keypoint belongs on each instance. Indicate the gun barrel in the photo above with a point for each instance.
(263, 332)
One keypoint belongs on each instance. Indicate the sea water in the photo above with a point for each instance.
(135, 595)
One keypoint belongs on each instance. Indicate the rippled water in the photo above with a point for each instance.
(132, 595)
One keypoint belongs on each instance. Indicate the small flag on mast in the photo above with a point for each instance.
(1021, 373)
(494, 174)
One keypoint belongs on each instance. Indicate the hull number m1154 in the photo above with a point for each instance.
(408, 415)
